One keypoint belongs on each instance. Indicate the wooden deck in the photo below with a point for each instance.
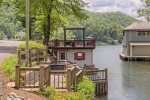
(135, 58)
(99, 77)
(41, 76)
(73, 44)
(32, 78)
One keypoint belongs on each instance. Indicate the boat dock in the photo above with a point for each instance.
(134, 58)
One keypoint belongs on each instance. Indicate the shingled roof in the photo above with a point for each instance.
(143, 26)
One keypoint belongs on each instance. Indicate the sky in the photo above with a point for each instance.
(128, 7)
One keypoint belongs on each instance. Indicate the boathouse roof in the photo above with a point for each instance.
(139, 26)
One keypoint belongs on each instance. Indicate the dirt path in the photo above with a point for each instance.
(8, 48)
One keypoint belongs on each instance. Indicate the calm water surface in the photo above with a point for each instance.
(127, 80)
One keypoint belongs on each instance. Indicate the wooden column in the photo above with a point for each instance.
(64, 37)
(27, 31)
(84, 37)
(49, 77)
(106, 75)
(30, 56)
(41, 81)
(130, 50)
(17, 77)
(19, 57)
(68, 84)
(46, 54)
(37, 56)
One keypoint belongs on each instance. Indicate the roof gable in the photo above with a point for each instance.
(143, 26)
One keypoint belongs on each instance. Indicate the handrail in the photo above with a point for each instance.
(73, 43)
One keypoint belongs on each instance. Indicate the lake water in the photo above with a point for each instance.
(126, 80)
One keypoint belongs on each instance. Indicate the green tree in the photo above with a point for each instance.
(145, 12)
(9, 24)
(54, 13)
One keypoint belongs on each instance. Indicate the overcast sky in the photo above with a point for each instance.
(129, 7)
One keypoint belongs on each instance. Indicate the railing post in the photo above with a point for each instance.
(49, 77)
(106, 75)
(46, 54)
(37, 56)
(41, 81)
(17, 77)
(30, 56)
(68, 79)
(19, 57)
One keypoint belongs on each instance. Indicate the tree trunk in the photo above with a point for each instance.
(48, 30)
(30, 30)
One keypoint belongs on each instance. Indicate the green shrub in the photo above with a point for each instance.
(87, 87)
(32, 44)
(51, 94)
(9, 66)
(48, 92)
(69, 96)
(2, 36)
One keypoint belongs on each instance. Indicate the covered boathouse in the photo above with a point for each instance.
(79, 51)
(136, 42)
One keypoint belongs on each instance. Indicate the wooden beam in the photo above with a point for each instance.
(74, 28)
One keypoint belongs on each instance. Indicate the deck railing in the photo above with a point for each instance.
(32, 77)
(73, 43)
(100, 77)
(35, 77)
(58, 79)
(36, 56)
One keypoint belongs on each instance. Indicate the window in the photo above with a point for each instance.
(79, 56)
(123, 33)
(143, 33)
(138, 33)
(62, 55)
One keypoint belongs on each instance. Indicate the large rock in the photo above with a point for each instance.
(13, 96)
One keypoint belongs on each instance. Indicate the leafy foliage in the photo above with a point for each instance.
(9, 66)
(106, 27)
(48, 92)
(87, 87)
(2, 36)
(9, 24)
(32, 44)
(85, 91)
(69, 96)
(51, 94)
(145, 12)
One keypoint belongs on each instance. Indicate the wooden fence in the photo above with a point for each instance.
(58, 79)
(34, 77)
(100, 77)
(36, 56)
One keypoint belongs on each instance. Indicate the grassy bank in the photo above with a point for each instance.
(8, 67)
(101, 43)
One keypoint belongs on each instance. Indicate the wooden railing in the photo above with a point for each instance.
(36, 56)
(100, 77)
(21, 57)
(73, 43)
(79, 76)
(32, 77)
(58, 79)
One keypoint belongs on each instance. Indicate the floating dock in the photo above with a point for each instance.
(135, 58)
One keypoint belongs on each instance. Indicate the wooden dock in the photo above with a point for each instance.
(134, 58)
(99, 77)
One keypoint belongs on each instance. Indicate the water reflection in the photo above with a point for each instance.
(127, 80)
